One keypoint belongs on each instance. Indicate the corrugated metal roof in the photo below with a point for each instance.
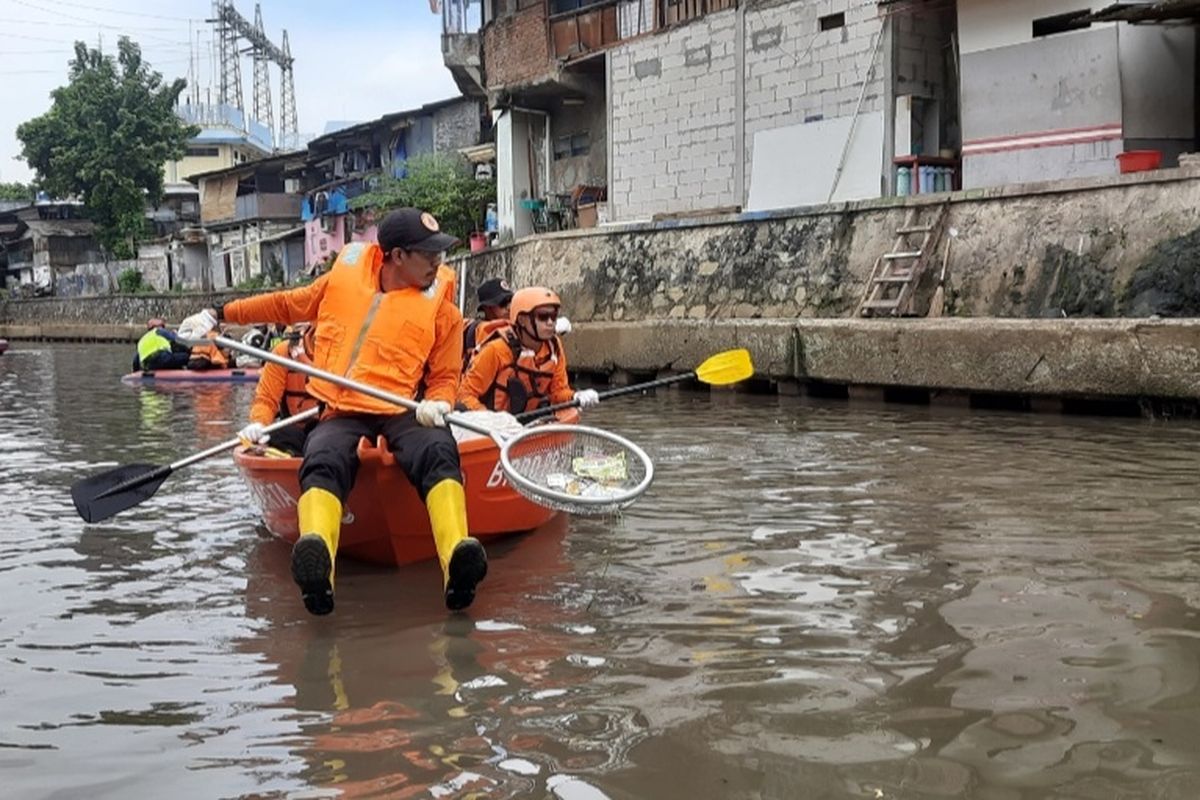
(61, 227)
(1161, 11)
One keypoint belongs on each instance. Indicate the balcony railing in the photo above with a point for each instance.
(461, 17)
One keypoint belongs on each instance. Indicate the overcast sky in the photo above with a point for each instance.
(354, 60)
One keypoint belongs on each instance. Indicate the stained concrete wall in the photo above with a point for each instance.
(456, 126)
(1121, 246)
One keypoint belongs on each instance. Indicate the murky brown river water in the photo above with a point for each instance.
(811, 602)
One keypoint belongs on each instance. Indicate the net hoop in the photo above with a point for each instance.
(565, 501)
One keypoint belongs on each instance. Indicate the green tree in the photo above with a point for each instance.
(17, 191)
(440, 184)
(105, 139)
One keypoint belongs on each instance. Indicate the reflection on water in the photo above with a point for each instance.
(810, 602)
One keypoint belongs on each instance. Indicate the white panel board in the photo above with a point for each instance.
(795, 165)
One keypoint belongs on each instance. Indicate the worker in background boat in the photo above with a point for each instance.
(255, 337)
(492, 313)
(385, 316)
(159, 348)
(208, 356)
(282, 393)
(523, 367)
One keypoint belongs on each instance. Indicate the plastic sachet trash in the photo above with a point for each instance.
(604, 468)
(592, 476)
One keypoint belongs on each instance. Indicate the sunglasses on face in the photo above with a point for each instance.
(545, 316)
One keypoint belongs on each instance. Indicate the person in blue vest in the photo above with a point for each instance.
(159, 348)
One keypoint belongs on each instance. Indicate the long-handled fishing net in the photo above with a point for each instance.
(576, 468)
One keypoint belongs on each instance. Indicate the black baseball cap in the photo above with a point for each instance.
(494, 292)
(413, 229)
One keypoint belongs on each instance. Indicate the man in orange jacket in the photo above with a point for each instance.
(494, 297)
(385, 316)
(523, 367)
(282, 393)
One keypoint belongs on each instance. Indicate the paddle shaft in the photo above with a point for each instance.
(605, 395)
(232, 443)
(162, 472)
(339, 380)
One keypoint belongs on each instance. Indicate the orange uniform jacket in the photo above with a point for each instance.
(476, 334)
(400, 341)
(211, 352)
(493, 366)
(280, 390)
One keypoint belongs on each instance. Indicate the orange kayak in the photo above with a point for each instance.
(384, 521)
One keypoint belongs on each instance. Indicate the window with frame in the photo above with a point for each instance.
(672, 12)
(572, 145)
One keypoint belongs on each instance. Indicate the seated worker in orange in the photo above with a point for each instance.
(385, 316)
(207, 356)
(523, 367)
(494, 297)
(282, 393)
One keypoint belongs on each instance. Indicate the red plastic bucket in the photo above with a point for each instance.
(478, 242)
(1139, 160)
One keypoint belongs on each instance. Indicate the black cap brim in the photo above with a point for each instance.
(437, 243)
(502, 299)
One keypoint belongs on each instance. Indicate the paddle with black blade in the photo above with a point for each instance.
(101, 496)
(723, 369)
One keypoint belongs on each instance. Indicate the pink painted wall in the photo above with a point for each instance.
(319, 243)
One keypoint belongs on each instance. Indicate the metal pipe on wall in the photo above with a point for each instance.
(739, 105)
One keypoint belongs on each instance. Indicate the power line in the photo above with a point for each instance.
(61, 24)
(125, 13)
(143, 30)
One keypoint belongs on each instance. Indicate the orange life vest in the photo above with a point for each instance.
(524, 383)
(478, 333)
(405, 341)
(296, 397)
(210, 353)
(382, 339)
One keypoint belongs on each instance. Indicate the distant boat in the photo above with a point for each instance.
(249, 375)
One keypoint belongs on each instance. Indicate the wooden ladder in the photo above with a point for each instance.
(894, 278)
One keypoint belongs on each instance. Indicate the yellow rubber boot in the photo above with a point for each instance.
(315, 552)
(463, 560)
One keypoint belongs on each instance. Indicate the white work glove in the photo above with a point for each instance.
(253, 434)
(562, 326)
(432, 413)
(197, 325)
(587, 398)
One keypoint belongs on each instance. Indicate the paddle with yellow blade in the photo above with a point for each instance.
(723, 369)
